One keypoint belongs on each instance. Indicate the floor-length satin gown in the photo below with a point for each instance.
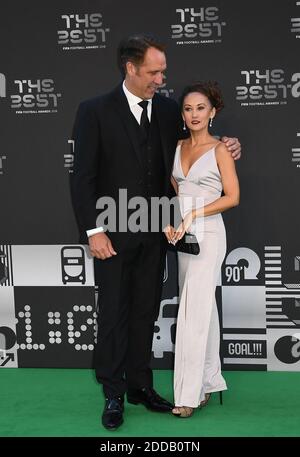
(197, 363)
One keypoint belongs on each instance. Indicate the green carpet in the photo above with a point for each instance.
(69, 402)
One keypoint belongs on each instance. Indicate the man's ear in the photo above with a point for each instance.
(130, 68)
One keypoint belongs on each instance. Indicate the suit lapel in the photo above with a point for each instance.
(122, 107)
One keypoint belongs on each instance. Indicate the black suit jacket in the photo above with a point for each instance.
(106, 155)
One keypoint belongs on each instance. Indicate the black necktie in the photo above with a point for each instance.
(145, 124)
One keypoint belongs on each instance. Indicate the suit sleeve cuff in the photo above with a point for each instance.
(94, 231)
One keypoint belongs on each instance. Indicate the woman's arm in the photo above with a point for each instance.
(169, 229)
(173, 181)
(230, 183)
(174, 184)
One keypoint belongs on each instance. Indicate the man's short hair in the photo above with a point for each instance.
(133, 49)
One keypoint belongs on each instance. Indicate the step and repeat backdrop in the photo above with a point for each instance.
(55, 55)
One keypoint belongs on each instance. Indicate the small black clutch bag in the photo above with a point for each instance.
(188, 244)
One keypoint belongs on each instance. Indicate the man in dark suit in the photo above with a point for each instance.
(126, 139)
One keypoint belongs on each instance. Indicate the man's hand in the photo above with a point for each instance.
(100, 246)
(233, 145)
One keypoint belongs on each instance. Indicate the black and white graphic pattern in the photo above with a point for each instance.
(282, 300)
(47, 320)
(6, 273)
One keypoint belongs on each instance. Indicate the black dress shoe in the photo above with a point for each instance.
(148, 397)
(112, 416)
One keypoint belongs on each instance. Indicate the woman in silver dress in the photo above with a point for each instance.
(203, 171)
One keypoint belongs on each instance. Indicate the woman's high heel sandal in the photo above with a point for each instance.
(207, 398)
(183, 411)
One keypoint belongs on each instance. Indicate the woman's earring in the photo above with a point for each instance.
(210, 123)
(184, 126)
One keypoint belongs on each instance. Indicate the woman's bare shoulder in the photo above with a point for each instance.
(221, 150)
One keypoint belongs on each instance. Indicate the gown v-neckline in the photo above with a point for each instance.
(200, 157)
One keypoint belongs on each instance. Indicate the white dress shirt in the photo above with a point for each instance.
(136, 109)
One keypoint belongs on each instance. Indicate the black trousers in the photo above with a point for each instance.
(130, 286)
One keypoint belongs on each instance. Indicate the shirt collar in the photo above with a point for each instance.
(133, 99)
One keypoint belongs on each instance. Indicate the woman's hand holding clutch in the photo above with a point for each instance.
(169, 231)
(180, 239)
(184, 226)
